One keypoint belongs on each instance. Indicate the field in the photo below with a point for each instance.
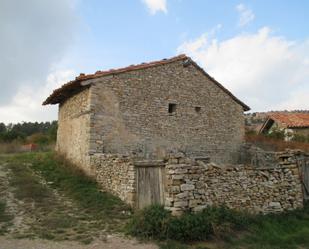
(44, 197)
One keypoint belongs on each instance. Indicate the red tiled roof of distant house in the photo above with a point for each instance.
(292, 120)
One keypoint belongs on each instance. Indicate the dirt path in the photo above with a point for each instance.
(49, 215)
(112, 242)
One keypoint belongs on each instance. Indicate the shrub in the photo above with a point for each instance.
(276, 133)
(150, 222)
(300, 138)
(190, 227)
(157, 223)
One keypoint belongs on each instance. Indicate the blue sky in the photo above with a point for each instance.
(118, 33)
(257, 49)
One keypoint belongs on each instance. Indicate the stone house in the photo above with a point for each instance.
(291, 123)
(145, 133)
(148, 110)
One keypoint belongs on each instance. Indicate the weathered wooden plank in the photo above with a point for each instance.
(305, 168)
(150, 186)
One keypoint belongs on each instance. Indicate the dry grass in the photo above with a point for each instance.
(10, 147)
(16, 147)
(275, 144)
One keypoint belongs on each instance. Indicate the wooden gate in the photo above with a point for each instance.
(305, 173)
(150, 183)
(303, 166)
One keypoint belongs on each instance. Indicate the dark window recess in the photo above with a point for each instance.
(171, 108)
(197, 109)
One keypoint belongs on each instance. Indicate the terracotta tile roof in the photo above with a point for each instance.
(291, 120)
(77, 85)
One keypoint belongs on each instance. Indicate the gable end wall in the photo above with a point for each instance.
(74, 129)
(131, 114)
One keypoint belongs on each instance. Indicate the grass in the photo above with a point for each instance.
(75, 184)
(223, 228)
(287, 230)
(83, 213)
(155, 222)
(5, 218)
(93, 212)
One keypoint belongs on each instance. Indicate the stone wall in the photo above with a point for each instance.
(115, 174)
(130, 114)
(74, 129)
(193, 185)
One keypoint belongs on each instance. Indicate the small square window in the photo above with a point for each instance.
(197, 109)
(171, 108)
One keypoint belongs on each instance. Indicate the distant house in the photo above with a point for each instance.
(29, 147)
(291, 123)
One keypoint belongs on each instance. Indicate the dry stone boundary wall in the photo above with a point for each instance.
(192, 185)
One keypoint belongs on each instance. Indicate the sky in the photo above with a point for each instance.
(259, 49)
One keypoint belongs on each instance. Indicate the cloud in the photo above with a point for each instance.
(26, 105)
(264, 70)
(34, 35)
(246, 15)
(155, 6)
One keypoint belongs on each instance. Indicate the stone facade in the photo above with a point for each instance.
(130, 114)
(193, 185)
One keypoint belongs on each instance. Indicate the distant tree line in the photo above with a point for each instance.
(41, 133)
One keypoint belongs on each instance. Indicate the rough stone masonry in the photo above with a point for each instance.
(194, 185)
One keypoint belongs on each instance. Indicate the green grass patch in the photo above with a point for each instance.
(287, 230)
(5, 218)
(26, 185)
(223, 228)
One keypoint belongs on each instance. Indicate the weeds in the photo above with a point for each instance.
(234, 229)
(269, 143)
(4, 218)
(287, 230)
(157, 223)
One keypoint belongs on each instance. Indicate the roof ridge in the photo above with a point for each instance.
(132, 67)
(75, 85)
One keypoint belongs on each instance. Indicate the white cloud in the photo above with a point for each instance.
(26, 105)
(264, 70)
(34, 35)
(155, 6)
(246, 15)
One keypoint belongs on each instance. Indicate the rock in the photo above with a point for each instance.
(199, 208)
(187, 187)
(180, 203)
